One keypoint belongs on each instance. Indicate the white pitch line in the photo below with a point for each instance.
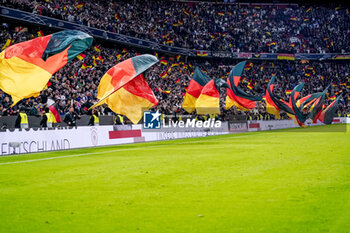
(126, 149)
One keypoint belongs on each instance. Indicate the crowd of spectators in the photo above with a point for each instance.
(209, 26)
(75, 85)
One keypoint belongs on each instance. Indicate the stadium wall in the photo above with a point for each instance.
(21, 141)
(34, 121)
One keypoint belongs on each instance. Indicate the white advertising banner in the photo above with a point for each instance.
(261, 125)
(39, 140)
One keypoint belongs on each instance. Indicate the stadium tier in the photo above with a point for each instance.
(207, 26)
(174, 116)
(76, 83)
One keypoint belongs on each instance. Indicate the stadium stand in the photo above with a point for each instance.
(317, 30)
(208, 26)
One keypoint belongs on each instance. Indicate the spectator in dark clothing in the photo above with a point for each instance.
(46, 120)
(71, 117)
(22, 119)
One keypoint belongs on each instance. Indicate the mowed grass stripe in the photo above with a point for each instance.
(266, 182)
(138, 146)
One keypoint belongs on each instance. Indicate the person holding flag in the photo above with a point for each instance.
(22, 119)
(94, 119)
(47, 120)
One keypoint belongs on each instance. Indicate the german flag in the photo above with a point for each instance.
(165, 92)
(284, 56)
(298, 106)
(221, 13)
(81, 56)
(94, 61)
(124, 51)
(198, 81)
(317, 107)
(84, 66)
(250, 85)
(288, 92)
(100, 58)
(174, 64)
(169, 41)
(97, 48)
(164, 74)
(202, 54)
(164, 62)
(327, 114)
(124, 89)
(275, 104)
(25, 68)
(236, 96)
(293, 18)
(7, 44)
(271, 107)
(40, 33)
(178, 57)
(209, 100)
(308, 9)
(80, 5)
(116, 16)
(186, 12)
(53, 111)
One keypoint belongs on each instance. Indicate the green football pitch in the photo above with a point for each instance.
(277, 181)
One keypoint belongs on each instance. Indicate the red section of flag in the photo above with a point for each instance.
(55, 113)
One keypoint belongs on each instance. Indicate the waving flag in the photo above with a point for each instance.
(317, 106)
(124, 89)
(25, 68)
(40, 33)
(209, 100)
(198, 81)
(163, 61)
(53, 110)
(299, 116)
(271, 107)
(275, 104)
(235, 95)
(7, 44)
(327, 115)
(81, 56)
